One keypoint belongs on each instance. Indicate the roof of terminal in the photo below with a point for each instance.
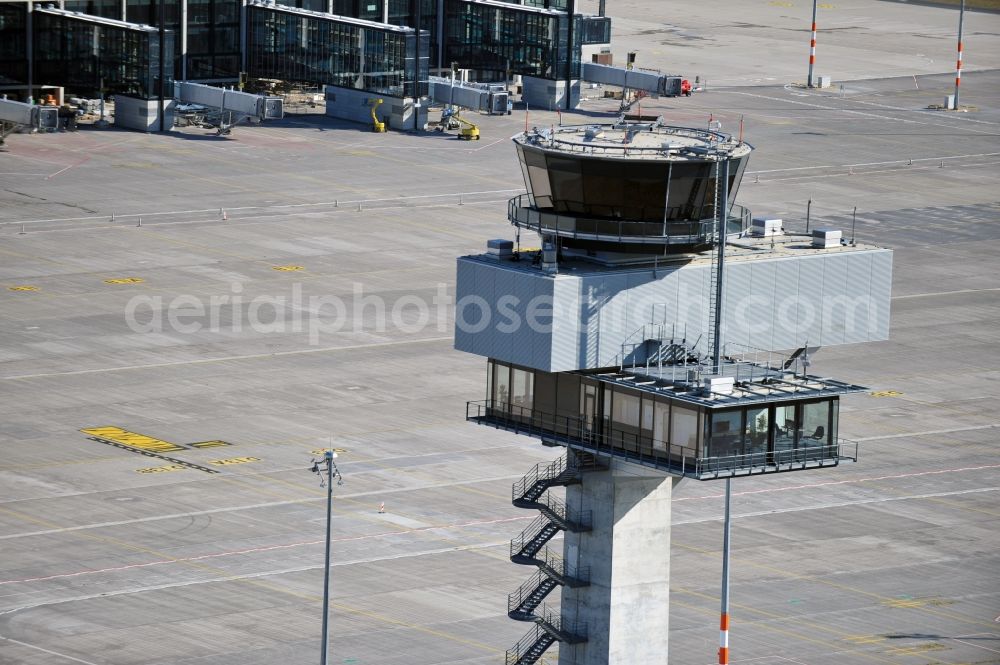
(100, 20)
(384, 27)
(652, 140)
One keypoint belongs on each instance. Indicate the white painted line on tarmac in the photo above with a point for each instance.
(854, 112)
(894, 161)
(253, 506)
(266, 548)
(928, 432)
(284, 206)
(978, 646)
(944, 293)
(48, 651)
(768, 490)
(840, 504)
(249, 356)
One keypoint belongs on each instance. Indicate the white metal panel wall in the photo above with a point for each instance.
(769, 303)
(566, 350)
(809, 299)
(880, 288)
(835, 276)
(735, 304)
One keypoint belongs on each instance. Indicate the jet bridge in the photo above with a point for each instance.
(237, 102)
(15, 115)
(668, 85)
(490, 98)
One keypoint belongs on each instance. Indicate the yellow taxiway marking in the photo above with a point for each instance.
(915, 649)
(886, 393)
(132, 439)
(321, 451)
(865, 639)
(22, 287)
(161, 469)
(125, 280)
(233, 460)
(287, 268)
(210, 444)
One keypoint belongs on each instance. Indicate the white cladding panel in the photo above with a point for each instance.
(777, 303)
(568, 313)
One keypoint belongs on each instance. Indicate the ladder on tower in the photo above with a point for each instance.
(718, 246)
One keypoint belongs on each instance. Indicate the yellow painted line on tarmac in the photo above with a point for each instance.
(287, 268)
(233, 460)
(319, 452)
(132, 439)
(916, 649)
(886, 393)
(210, 444)
(22, 287)
(125, 280)
(161, 469)
(865, 639)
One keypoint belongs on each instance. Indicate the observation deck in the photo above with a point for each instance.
(632, 187)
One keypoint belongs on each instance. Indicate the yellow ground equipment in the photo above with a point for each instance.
(450, 119)
(377, 125)
(469, 131)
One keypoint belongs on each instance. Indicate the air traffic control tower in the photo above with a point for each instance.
(646, 335)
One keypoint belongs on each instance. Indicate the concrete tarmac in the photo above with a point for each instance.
(305, 267)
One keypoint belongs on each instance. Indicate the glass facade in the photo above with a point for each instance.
(90, 55)
(296, 45)
(640, 190)
(490, 38)
(655, 426)
(493, 39)
(103, 8)
(213, 39)
(13, 43)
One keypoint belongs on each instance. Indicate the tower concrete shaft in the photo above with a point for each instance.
(628, 554)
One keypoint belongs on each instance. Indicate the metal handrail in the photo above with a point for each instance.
(833, 452)
(567, 631)
(645, 450)
(527, 588)
(515, 653)
(530, 533)
(522, 213)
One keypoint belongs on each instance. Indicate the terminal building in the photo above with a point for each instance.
(660, 332)
(378, 48)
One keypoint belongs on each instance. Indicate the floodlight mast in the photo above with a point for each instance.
(331, 472)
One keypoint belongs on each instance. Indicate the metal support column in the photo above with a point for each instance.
(31, 53)
(244, 36)
(440, 35)
(570, 51)
(328, 457)
(331, 472)
(812, 48)
(163, 57)
(958, 67)
(724, 621)
(184, 40)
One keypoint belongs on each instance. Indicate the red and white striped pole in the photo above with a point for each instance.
(958, 67)
(812, 48)
(724, 623)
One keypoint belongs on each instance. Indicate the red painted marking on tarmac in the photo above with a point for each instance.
(842, 482)
(254, 550)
